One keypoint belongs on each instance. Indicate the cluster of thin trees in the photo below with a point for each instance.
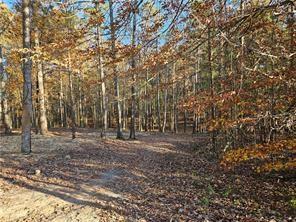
(222, 67)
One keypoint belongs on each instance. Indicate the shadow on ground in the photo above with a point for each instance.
(156, 178)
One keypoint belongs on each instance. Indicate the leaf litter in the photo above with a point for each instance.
(158, 177)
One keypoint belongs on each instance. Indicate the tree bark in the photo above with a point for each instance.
(158, 104)
(61, 106)
(177, 109)
(195, 117)
(71, 96)
(185, 111)
(173, 104)
(165, 104)
(4, 103)
(41, 113)
(211, 87)
(115, 79)
(27, 76)
(195, 84)
(42, 119)
(146, 108)
(133, 66)
(101, 76)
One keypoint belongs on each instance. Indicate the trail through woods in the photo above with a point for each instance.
(159, 177)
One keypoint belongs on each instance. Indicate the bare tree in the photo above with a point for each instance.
(133, 65)
(101, 76)
(27, 75)
(116, 81)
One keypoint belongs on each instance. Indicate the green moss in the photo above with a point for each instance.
(293, 202)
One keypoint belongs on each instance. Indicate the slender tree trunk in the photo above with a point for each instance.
(124, 106)
(115, 79)
(165, 96)
(233, 109)
(41, 95)
(71, 97)
(35, 114)
(177, 109)
(101, 76)
(94, 114)
(79, 108)
(291, 27)
(42, 119)
(5, 114)
(195, 83)
(110, 115)
(158, 104)
(146, 108)
(27, 75)
(241, 70)
(4, 103)
(139, 105)
(104, 101)
(173, 104)
(211, 87)
(61, 107)
(133, 65)
(150, 117)
(185, 111)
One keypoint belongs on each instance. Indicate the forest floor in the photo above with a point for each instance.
(158, 177)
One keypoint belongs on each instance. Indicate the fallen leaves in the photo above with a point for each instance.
(279, 149)
(157, 178)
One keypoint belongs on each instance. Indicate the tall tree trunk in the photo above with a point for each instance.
(177, 109)
(80, 114)
(165, 96)
(124, 106)
(146, 108)
(104, 100)
(71, 97)
(101, 76)
(173, 104)
(115, 79)
(211, 87)
(291, 27)
(4, 103)
(133, 65)
(27, 75)
(185, 111)
(42, 119)
(139, 105)
(35, 117)
(195, 84)
(5, 113)
(61, 107)
(158, 104)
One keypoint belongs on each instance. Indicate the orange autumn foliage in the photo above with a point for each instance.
(280, 149)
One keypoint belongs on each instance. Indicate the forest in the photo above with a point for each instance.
(147, 110)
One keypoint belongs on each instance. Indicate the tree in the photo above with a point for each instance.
(115, 78)
(133, 66)
(27, 75)
(42, 120)
(224, 68)
(101, 71)
(4, 102)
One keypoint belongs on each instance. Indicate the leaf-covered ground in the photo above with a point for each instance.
(158, 177)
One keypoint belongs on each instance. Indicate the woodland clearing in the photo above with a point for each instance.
(158, 177)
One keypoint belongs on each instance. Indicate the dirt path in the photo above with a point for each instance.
(155, 178)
